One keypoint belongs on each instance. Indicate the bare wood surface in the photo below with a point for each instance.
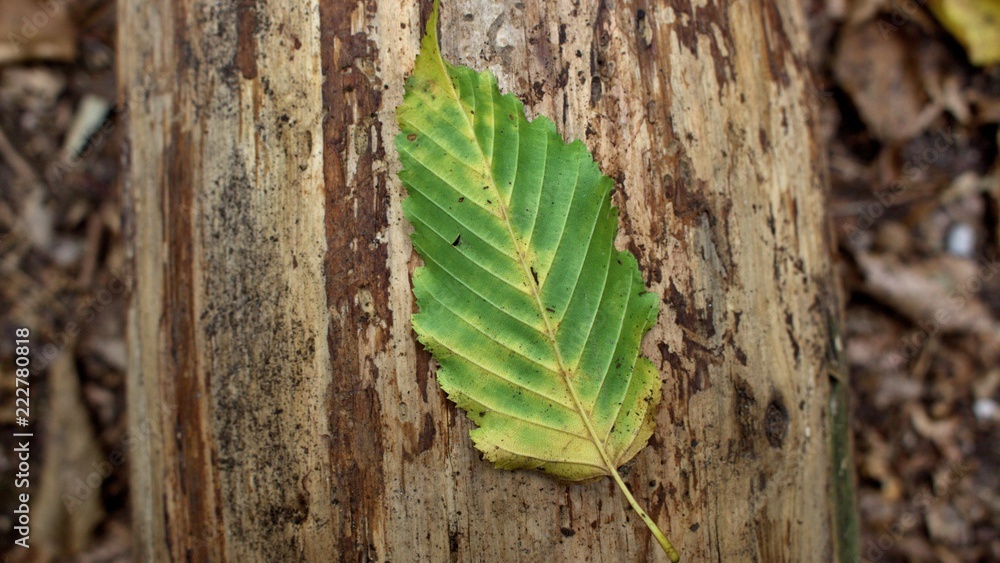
(293, 415)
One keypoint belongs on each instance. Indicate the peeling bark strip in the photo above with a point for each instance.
(246, 45)
(357, 286)
(294, 419)
(191, 432)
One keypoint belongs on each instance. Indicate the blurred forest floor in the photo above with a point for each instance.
(911, 125)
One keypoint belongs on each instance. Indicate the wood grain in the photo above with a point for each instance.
(293, 414)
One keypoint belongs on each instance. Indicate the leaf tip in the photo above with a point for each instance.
(430, 41)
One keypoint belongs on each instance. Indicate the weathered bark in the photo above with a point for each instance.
(292, 414)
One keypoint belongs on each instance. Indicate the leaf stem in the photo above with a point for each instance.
(657, 533)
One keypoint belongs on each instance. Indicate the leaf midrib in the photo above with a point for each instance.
(532, 284)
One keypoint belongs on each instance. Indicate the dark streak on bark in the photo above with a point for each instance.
(671, 157)
(790, 330)
(423, 361)
(185, 422)
(246, 46)
(352, 100)
(778, 44)
(745, 415)
(427, 433)
(599, 52)
(689, 316)
(423, 366)
(776, 421)
(701, 25)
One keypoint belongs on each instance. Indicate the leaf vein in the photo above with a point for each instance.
(503, 345)
(611, 360)
(493, 274)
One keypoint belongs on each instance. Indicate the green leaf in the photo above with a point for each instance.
(534, 317)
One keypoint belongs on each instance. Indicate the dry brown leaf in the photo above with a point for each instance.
(986, 103)
(36, 30)
(946, 525)
(940, 432)
(69, 502)
(893, 389)
(938, 294)
(32, 90)
(876, 464)
(115, 546)
(876, 70)
(916, 548)
(861, 11)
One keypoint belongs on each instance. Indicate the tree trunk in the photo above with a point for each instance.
(290, 412)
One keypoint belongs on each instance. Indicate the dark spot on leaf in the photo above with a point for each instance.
(490, 202)
(510, 116)
(694, 527)
(461, 199)
(568, 532)
(411, 137)
(486, 187)
(458, 239)
(534, 274)
(550, 309)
